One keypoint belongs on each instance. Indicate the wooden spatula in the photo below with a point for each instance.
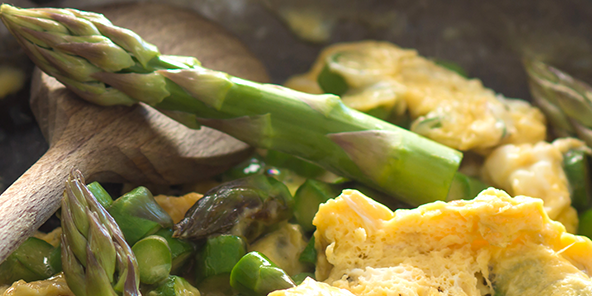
(125, 144)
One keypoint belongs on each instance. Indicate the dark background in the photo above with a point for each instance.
(487, 38)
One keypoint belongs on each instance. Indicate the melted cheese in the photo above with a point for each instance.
(537, 171)
(456, 248)
(448, 108)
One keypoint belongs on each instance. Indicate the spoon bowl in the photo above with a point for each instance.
(125, 144)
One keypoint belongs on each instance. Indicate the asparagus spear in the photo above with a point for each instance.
(95, 257)
(109, 65)
(567, 102)
(246, 207)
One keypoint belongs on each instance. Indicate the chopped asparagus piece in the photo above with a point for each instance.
(330, 81)
(154, 259)
(219, 255)
(100, 194)
(299, 278)
(452, 66)
(307, 199)
(246, 207)
(585, 224)
(319, 128)
(255, 275)
(575, 166)
(465, 187)
(55, 259)
(293, 163)
(309, 255)
(174, 286)
(29, 262)
(181, 250)
(252, 166)
(139, 215)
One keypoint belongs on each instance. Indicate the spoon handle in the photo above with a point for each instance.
(33, 198)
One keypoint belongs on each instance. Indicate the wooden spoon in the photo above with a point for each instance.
(125, 144)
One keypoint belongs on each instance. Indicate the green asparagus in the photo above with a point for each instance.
(219, 255)
(566, 102)
(307, 199)
(95, 256)
(109, 65)
(309, 254)
(154, 259)
(246, 207)
(252, 166)
(174, 286)
(585, 224)
(181, 250)
(575, 166)
(256, 275)
(100, 194)
(30, 262)
(139, 215)
(299, 278)
(465, 187)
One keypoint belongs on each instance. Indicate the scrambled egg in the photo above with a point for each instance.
(536, 170)
(283, 247)
(53, 237)
(310, 287)
(175, 206)
(493, 244)
(54, 286)
(446, 107)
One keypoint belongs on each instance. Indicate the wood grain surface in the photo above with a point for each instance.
(125, 144)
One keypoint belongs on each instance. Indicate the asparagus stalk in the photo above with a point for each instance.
(567, 102)
(109, 65)
(95, 257)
